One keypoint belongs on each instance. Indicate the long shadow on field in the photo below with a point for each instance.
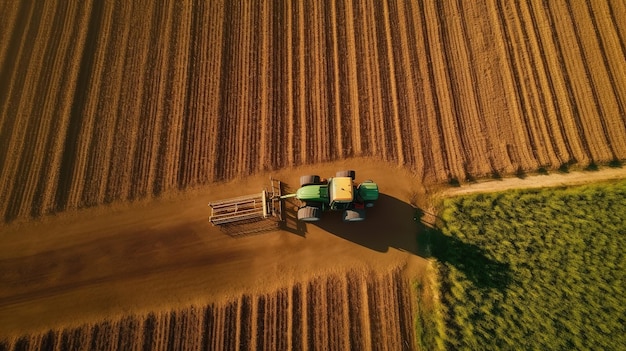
(389, 224)
(393, 223)
(470, 259)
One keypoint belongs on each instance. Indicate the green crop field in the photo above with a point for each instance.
(530, 270)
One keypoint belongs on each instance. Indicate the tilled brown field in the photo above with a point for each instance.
(355, 311)
(105, 101)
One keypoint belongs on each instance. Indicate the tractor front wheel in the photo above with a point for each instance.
(309, 214)
(309, 179)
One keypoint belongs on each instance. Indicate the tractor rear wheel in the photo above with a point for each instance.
(309, 179)
(309, 214)
(356, 215)
(349, 173)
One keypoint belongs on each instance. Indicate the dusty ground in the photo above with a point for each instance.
(146, 256)
(138, 257)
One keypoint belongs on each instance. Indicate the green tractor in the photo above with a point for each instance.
(340, 193)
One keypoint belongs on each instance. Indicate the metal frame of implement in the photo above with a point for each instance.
(265, 205)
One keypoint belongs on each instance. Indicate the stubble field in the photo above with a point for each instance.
(342, 312)
(108, 102)
(111, 101)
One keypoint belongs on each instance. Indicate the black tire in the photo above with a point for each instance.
(309, 179)
(356, 215)
(309, 214)
(349, 173)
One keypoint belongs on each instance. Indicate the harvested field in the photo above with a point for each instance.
(119, 103)
(310, 315)
(103, 102)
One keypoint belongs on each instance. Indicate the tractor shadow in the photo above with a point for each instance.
(393, 223)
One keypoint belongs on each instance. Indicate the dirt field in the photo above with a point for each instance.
(106, 101)
(122, 119)
(84, 266)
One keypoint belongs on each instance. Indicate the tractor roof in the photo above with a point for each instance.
(341, 189)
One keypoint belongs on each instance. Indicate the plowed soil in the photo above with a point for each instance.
(109, 111)
(115, 101)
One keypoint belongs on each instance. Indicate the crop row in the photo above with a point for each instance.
(112, 101)
(337, 312)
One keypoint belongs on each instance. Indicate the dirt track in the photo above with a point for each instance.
(148, 256)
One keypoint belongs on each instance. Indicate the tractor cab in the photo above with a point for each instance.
(341, 193)
(335, 194)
